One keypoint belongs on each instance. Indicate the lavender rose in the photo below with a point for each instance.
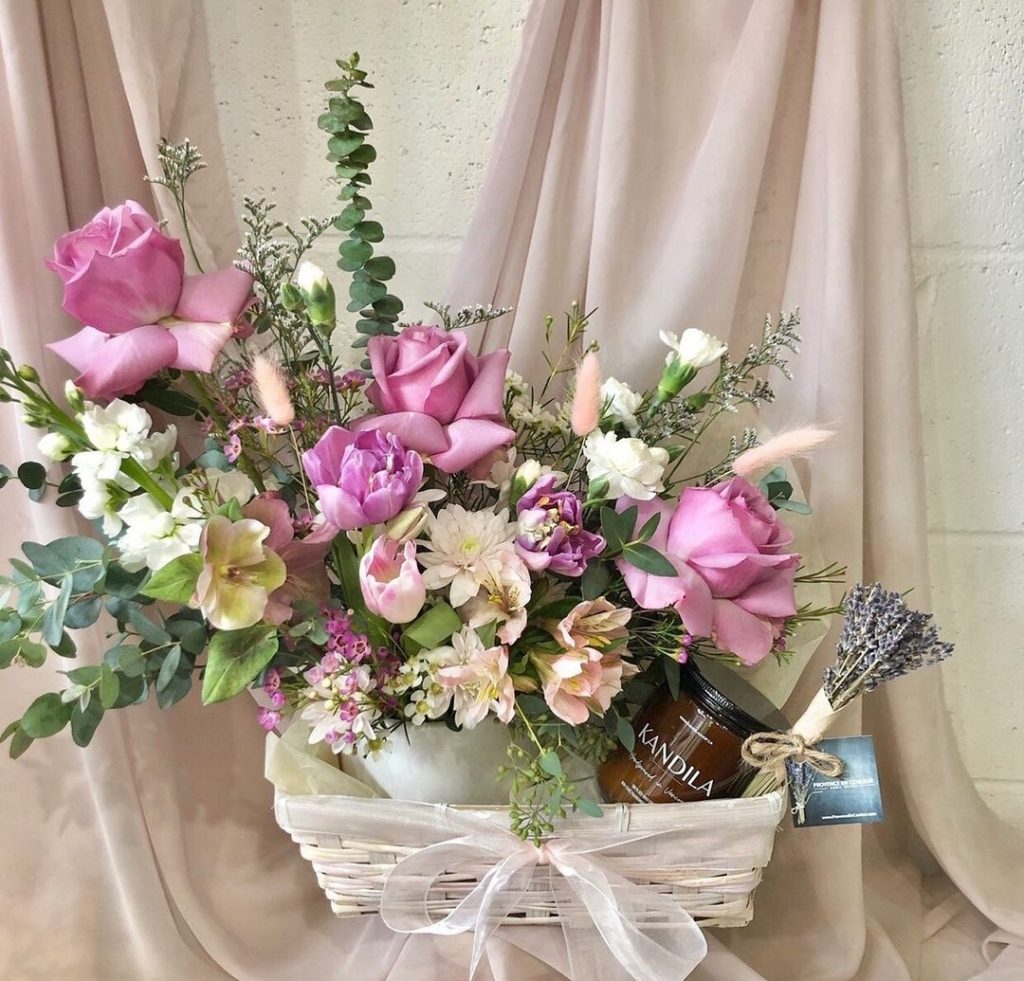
(125, 280)
(362, 478)
(551, 534)
(438, 397)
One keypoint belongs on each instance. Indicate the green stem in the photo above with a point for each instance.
(141, 476)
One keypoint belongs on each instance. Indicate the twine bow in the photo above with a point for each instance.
(770, 750)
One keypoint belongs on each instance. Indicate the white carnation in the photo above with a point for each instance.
(630, 466)
(694, 348)
(621, 403)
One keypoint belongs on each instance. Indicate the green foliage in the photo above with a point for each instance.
(779, 491)
(349, 125)
(235, 659)
(176, 581)
(432, 628)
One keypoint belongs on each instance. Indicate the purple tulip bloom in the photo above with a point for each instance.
(362, 478)
(551, 533)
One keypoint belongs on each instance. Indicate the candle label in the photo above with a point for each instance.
(854, 797)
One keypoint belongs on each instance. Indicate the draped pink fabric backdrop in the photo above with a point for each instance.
(667, 165)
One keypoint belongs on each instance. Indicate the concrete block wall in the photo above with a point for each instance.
(442, 70)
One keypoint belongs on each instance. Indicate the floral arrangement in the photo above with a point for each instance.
(426, 537)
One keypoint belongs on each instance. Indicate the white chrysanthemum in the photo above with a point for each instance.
(155, 536)
(459, 545)
(621, 403)
(630, 466)
(117, 427)
(694, 348)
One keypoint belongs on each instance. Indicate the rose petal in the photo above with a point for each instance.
(215, 297)
(113, 365)
(198, 344)
(742, 633)
(138, 286)
(486, 396)
(469, 440)
(704, 524)
(414, 430)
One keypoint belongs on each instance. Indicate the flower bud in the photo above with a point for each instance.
(317, 292)
(523, 479)
(27, 373)
(688, 354)
(5, 396)
(74, 397)
(404, 527)
(291, 298)
(56, 447)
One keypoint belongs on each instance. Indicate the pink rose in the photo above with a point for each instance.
(735, 581)
(437, 397)
(125, 279)
(392, 585)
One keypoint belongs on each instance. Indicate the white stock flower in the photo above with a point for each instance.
(630, 466)
(694, 348)
(621, 403)
(116, 428)
(458, 547)
(55, 447)
(153, 450)
(155, 536)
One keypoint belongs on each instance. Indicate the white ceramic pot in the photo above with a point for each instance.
(436, 765)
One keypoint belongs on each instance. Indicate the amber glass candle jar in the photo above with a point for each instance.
(688, 748)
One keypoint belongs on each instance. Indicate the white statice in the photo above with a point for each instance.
(529, 414)
(55, 447)
(458, 547)
(631, 467)
(620, 404)
(155, 536)
(694, 348)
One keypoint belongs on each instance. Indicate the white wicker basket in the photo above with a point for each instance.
(707, 857)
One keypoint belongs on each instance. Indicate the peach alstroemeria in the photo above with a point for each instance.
(571, 680)
(239, 573)
(481, 681)
(593, 623)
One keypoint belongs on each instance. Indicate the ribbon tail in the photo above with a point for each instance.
(650, 936)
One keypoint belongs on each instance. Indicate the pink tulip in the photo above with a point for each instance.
(734, 580)
(392, 586)
(125, 279)
(437, 397)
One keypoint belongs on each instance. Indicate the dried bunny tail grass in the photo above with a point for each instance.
(793, 442)
(272, 389)
(586, 399)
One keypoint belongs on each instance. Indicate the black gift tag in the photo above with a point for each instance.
(852, 798)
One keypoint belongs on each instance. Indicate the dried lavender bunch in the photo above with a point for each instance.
(801, 786)
(882, 639)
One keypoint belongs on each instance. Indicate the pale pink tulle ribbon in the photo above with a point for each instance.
(613, 928)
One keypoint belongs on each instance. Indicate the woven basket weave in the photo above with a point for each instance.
(707, 856)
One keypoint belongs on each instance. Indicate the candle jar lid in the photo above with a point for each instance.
(725, 694)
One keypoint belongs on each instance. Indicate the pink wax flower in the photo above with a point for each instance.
(391, 583)
(362, 478)
(734, 579)
(437, 397)
(551, 534)
(305, 573)
(125, 280)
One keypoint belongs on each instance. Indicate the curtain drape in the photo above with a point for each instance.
(668, 163)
